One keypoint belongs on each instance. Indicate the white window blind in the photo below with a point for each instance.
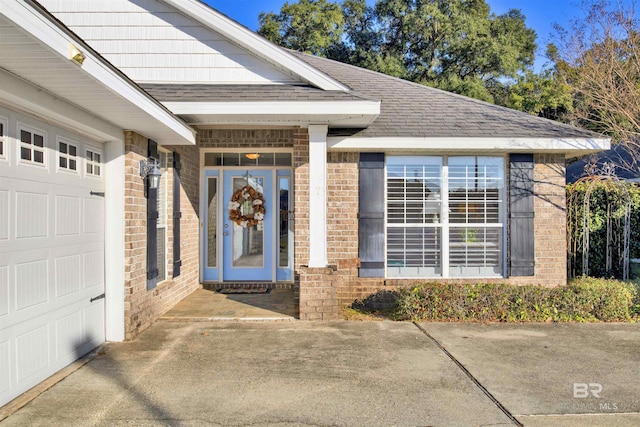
(453, 204)
(414, 209)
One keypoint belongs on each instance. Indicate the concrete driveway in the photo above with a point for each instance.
(352, 374)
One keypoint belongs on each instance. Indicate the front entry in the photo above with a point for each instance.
(247, 245)
(247, 232)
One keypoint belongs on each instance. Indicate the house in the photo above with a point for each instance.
(619, 160)
(148, 147)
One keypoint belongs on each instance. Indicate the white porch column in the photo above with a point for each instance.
(318, 195)
(114, 241)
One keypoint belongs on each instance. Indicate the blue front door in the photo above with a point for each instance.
(247, 246)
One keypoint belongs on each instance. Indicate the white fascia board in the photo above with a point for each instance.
(569, 145)
(53, 36)
(365, 108)
(17, 93)
(254, 43)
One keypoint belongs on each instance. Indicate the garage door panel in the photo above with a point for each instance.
(68, 275)
(32, 215)
(93, 210)
(94, 329)
(93, 263)
(68, 215)
(32, 353)
(31, 286)
(5, 380)
(4, 291)
(70, 335)
(4, 215)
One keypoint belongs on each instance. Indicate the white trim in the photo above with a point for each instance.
(276, 107)
(318, 196)
(583, 145)
(54, 36)
(46, 107)
(254, 43)
(114, 240)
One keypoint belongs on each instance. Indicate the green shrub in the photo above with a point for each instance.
(583, 300)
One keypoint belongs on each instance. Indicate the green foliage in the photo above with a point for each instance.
(311, 26)
(455, 45)
(582, 300)
(607, 199)
(539, 94)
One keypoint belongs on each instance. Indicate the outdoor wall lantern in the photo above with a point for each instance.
(150, 169)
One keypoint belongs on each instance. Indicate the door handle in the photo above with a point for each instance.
(226, 233)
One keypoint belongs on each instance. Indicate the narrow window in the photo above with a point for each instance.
(3, 128)
(93, 159)
(284, 224)
(414, 208)
(67, 156)
(162, 220)
(475, 204)
(212, 221)
(32, 146)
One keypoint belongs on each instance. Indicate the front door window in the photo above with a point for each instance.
(247, 211)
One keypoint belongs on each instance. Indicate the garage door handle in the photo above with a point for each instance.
(97, 193)
(96, 298)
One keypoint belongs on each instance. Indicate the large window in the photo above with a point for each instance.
(445, 216)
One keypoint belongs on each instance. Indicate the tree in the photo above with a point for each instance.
(311, 26)
(598, 57)
(542, 94)
(456, 45)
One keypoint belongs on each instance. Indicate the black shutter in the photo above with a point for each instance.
(152, 224)
(521, 210)
(371, 215)
(177, 214)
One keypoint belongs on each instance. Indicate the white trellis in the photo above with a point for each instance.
(618, 227)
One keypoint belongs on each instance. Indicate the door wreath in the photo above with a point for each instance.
(246, 207)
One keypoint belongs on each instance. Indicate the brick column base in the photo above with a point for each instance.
(318, 294)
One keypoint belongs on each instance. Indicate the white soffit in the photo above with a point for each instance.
(571, 146)
(36, 48)
(338, 113)
(255, 43)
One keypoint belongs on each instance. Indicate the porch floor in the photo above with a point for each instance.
(208, 305)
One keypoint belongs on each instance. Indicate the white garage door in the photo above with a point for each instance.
(51, 251)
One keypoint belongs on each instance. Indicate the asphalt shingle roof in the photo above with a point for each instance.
(407, 109)
(413, 110)
(244, 93)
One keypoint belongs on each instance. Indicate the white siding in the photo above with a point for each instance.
(151, 42)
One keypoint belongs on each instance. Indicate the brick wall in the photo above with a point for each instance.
(321, 292)
(550, 226)
(142, 307)
(324, 291)
(247, 138)
(301, 197)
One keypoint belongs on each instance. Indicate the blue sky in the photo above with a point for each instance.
(541, 14)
